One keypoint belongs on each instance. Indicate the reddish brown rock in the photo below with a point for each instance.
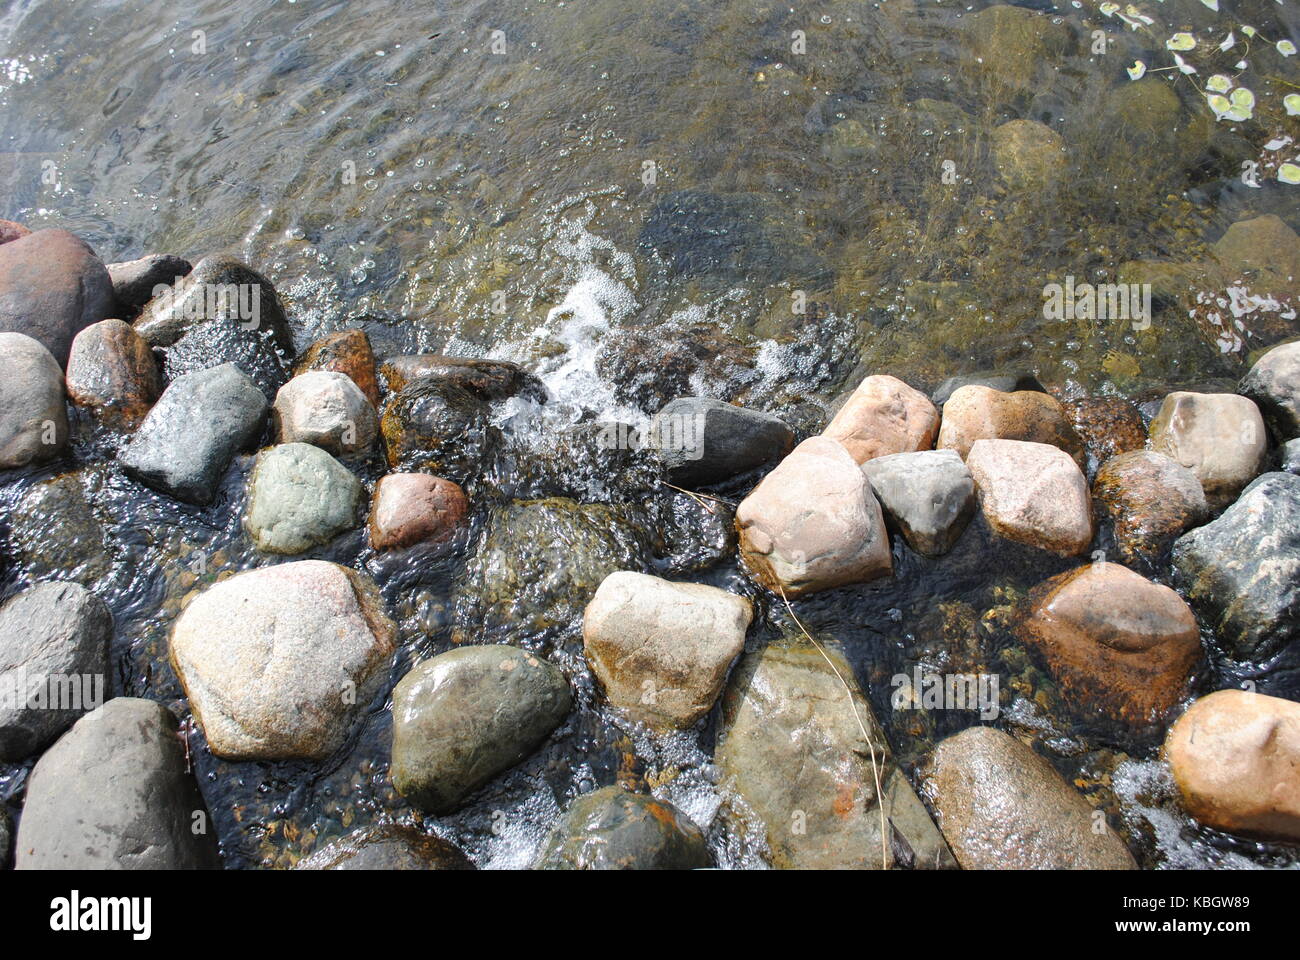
(9, 230)
(112, 370)
(1108, 426)
(411, 508)
(1151, 500)
(52, 286)
(883, 416)
(347, 352)
(486, 379)
(1236, 759)
(978, 413)
(1032, 493)
(1120, 647)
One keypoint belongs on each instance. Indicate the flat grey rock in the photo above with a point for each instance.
(702, 441)
(930, 495)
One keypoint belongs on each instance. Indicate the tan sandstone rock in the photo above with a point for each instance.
(883, 416)
(1218, 436)
(977, 413)
(1032, 493)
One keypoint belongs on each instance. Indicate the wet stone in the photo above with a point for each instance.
(328, 410)
(1220, 437)
(612, 829)
(53, 664)
(1274, 384)
(388, 847)
(347, 352)
(1032, 493)
(33, 417)
(411, 508)
(1007, 382)
(929, 494)
(702, 441)
(465, 716)
(1028, 154)
(113, 371)
(57, 534)
(977, 413)
(437, 425)
(299, 497)
(134, 280)
(1108, 426)
(113, 794)
(1151, 500)
(884, 416)
(209, 345)
(486, 379)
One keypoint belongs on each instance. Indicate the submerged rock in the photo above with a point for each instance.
(394, 846)
(977, 413)
(299, 497)
(813, 523)
(1108, 426)
(467, 715)
(208, 345)
(1218, 436)
(411, 508)
(1243, 570)
(929, 494)
(1236, 759)
(1274, 384)
(661, 650)
(328, 410)
(1151, 500)
(33, 418)
(612, 829)
(193, 432)
(52, 286)
(884, 416)
(114, 794)
(486, 379)
(1263, 250)
(438, 425)
(1009, 45)
(134, 280)
(347, 352)
(793, 747)
(1120, 647)
(219, 290)
(1003, 807)
(112, 371)
(1032, 493)
(701, 441)
(57, 534)
(53, 664)
(276, 662)
(1028, 154)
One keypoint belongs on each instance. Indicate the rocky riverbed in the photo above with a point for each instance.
(332, 621)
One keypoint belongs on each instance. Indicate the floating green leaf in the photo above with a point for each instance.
(1219, 104)
(1218, 83)
(1108, 8)
(1288, 173)
(1181, 41)
(1139, 69)
(1248, 31)
(1212, 4)
(1243, 104)
(1292, 103)
(1286, 48)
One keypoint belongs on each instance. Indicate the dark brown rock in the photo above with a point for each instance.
(1108, 426)
(9, 230)
(112, 370)
(488, 379)
(52, 286)
(1151, 499)
(347, 352)
(393, 846)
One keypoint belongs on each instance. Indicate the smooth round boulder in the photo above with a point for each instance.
(612, 829)
(112, 371)
(1028, 154)
(701, 441)
(435, 424)
(393, 846)
(929, 494)
(467, 715)
(661, 650)
(54, 641)
(813, 523)
(1003, 807)
(1032, 493)
(1120, 647)
(276, 662)
(412, 508)
(976, 412)
(347, 352)
(1235, 757)
(114, 794)
(327, 410)
(883, 416)
(299, 497)
(33, 417)
(1220, 437)
(1274, 384)
(193, 432)
(52, 286)
(1151, 500)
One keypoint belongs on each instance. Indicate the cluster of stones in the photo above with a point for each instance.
(307, 645)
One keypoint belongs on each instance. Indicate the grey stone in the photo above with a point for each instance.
(467, 715)
(1243, 570)
(1289, 456)
(276, 662)
(792, 748)
(52, 286)
(216, 291)
(113, 794)
(300, 497)
(612, 829)
(327, 409)
(1274, 384)
(930, 495)
(701, 441)
(194, 431)
(1003, 807)
(56, 532)
(53, 664)
(1006, 382)
(388, 847)
(208, 345)
(33, 417)
(134, 280)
